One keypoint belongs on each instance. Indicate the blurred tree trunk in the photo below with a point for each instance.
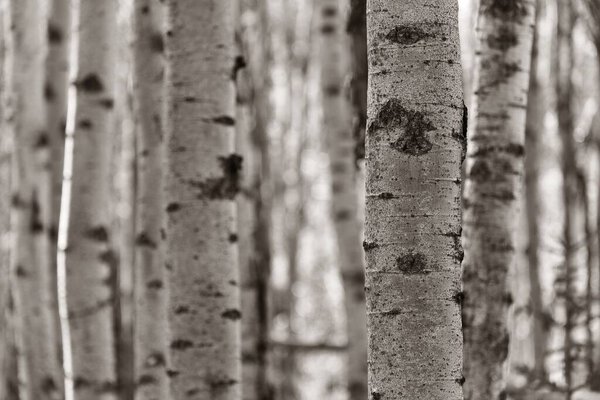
(150, 307)
(357, 28)
(340, 144)
(90, 261)
(414, 148)
(40, 370)
(534, 126)
(563, 60)
(202, 180)
(494, 169)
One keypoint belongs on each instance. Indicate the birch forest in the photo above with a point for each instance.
(299, 200)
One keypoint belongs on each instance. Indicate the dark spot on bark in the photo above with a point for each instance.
(385, 196)
(107, 103)
(480, 171)
(460, 381)
(55, 34)
(90, 83)
(508, 298)
(21, 272)
(85, 124)
(192, 392)
(179, 310)
(144, 240)
(35, 223)
(156, 42)
(220, 383)
(155, 284)
(503, 38)
(145, 10)
(232, 283)
(146, 380)
(413, 126)
(155, 360)
(376, 396)
(412, 263)
(53, 232)
(459, 298)
(224, 120)
(369, 245)
(508, 10)
(172, 207)
(49, 93)
(181, 344)
(190, 99)
(407, 34)
(327, 29)
(342, 215)
(502, 395)
(232, 314)
(233, 238)
(225, 187)
(332, 90)
(48, 385)
(17, 202)
(109, 258)
(97, 233)
(238, 64)
(329, 12)
(461, 137)
(42, 141)
(172, 373)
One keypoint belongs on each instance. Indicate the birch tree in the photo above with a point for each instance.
(40, 370)
(357, 29)
(493, 172)
(414, 148)
(90, 261)
(150, 340)
(201, 182)
(340, 145)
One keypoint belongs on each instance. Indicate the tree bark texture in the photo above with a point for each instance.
(40, 370)
(414, 149)
(202, 180)
(494, 170)
(340, 144)
(90, 261)
(150, 308)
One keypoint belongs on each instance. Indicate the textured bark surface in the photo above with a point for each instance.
(40, 370)
(340, 144)
(90, 261)
(414, 148)
(150, 309)
(202, 181)
(494, 170)
(357, 29)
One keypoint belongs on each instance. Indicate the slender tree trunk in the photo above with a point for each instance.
(357, 28)
(150, 340)
(414, 148)
(340, 147)
(39, 362)
(90, 261)
(564, 93)
(533, 128)
(494, 170)
(202, 179)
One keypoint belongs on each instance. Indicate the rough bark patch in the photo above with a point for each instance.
(413, 126)
(412, 263)
(225, 187)
(369, 245)
(407, 34)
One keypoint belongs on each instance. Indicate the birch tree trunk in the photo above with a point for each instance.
(493, 178)
(414, 148)
(40, 370)
(150, 331)
(357, 28)
(202, 180)
(340, 144)
(90, 261)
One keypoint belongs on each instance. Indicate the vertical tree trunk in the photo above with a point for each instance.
(150, 341)
(415, 144)
(90, 261)
(40, 368)
(494, 170)
(564, 93)
(534, 125)
(340, 147)
(357, 28)
(202, 180)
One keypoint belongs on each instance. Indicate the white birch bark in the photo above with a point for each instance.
(494, 170)
(150, 330)
(415, 144)
(202, 180)
(90, 261)
(40, 370)
(340, 143)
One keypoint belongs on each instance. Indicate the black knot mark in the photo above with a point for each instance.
(36, 225)
(179, 310)
(109, 258)
(42, 141)
(407, 34)
(143, 240)
(90, 83)
(49, 92)
(172, 207)
(85, 124)
(238, 64)
(155, 360)
(225, 187)
(98, 233)
(328, 29)
(459, 298)
(503, 39)
(369, 245)
(413, 126)
(232, 314)
(181, 344)
(412, 263)
(233, 238)
(376, 396)
(224, 120)
(385, 196)
(146, 379)
(155, 284)
(460, 381)
(55, 34)
(329, 12)
(48, 385)
(156, 42)
(508, 10)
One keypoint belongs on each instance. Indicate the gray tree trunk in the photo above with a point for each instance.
(202, 180)
(414, 149)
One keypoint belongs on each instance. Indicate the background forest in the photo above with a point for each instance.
(267, 199)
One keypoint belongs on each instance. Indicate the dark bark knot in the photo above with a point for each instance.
(503, 39)
(238, 64)
(412, 263)
(156, 42)
(143, 240)
(181, 344)
(369, 245)
(413, 127)
(407, 34)
(98, 233)
(90, 83)
(55, 34)
(508, 10)
(232, 314)
(376, 396)
(225, 187)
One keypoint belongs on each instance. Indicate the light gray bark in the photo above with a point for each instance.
(494, 170)
(40, 370)
(150, 330)
(414, 148)
(340, 144)
(90, 261)
(201, 180)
